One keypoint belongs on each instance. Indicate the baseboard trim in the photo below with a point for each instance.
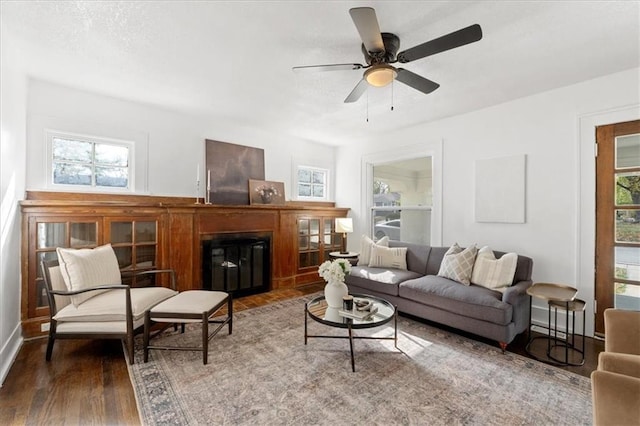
(9, 352)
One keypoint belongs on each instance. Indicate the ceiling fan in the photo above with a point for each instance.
(381, 50)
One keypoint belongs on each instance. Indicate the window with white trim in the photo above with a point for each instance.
(312, 183)
(90, 162)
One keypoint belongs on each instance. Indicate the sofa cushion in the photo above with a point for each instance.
(366, 244)
(86, 268)
(496, 274)
(382, 280)
(385, 257)
(111, 306)
(458, 263)
(470, 301)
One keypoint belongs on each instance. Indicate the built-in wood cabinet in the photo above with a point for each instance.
(316, 239)
(167, 232)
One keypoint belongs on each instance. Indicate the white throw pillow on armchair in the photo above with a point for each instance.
(85, 268)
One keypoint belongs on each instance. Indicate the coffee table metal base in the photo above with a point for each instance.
(351, 336)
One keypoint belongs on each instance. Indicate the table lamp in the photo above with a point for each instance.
(344, 225)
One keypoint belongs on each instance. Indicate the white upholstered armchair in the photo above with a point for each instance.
(87, 299)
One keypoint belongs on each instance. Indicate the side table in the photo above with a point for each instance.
(558, 296)
(351, 256)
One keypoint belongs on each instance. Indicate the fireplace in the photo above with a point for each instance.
(239, 264)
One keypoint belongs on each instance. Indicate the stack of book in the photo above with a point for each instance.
(359, 315)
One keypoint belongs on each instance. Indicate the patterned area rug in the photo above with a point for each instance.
(264, 374)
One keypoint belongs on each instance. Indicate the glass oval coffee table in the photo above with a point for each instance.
(319, 311)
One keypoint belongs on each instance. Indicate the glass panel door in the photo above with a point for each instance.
(617, 219)
(627, 222)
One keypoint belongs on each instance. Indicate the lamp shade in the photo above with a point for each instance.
(344, 224)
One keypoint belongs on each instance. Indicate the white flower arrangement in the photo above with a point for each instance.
(334, 270)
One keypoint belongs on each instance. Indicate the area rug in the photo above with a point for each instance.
(263, 374)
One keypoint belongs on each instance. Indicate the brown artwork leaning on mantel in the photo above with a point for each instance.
(266, 192)
(231, 167)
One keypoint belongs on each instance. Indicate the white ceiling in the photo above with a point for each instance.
(232, 60)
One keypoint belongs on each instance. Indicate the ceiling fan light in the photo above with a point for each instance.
(380, 75)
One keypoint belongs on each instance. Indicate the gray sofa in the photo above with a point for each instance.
(420, 292)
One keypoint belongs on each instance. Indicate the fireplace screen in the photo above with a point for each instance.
(238, 264)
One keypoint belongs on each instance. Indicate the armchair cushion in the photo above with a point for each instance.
(86, 268)
(614, 362)
(110, 305)
(616, 399)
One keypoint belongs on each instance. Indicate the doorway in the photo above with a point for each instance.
(617, 275)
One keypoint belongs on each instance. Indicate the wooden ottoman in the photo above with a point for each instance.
(189, 306)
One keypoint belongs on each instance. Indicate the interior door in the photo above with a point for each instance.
(617, 219)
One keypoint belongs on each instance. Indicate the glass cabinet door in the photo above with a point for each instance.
(51, 234)
(332, 239)
(135, 243)
(309, 242)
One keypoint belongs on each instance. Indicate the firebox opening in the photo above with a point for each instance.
(239, 264)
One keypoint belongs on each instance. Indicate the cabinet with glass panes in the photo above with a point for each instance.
(135, 241)
(317, 237)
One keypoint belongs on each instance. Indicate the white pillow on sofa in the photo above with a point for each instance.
(496, 274)
(385, 257)
(457, 264)
(85, 268)
(366, 244)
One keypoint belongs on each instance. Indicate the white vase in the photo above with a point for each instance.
(334, 291)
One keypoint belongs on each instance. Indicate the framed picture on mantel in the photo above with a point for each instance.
(231, 167)
(266, 192)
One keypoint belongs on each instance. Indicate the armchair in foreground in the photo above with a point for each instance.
(87, 299)
(616, 383)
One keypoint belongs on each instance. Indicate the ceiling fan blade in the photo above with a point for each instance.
(332, 67)
(366, 23)
(455, 39)
(357, 91)
(417, 82)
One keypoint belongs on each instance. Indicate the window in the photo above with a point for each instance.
(312, 183)
(91, 162)
(402, 198)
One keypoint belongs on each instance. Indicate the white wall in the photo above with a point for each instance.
(545, 127)
(13, 95)
(175, 141)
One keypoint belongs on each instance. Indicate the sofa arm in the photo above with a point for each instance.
(512, 294)
(626, 364)
(616, 398)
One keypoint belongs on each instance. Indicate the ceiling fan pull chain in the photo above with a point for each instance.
(367, 106)
(392, 95)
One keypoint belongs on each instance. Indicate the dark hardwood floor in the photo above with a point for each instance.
(87, 380)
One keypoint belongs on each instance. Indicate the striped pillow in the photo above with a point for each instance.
(457, 264)
(496, 274)
(85, 268)
(366, 244)
(384, 257)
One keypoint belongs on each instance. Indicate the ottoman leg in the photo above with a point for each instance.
(205, 338)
